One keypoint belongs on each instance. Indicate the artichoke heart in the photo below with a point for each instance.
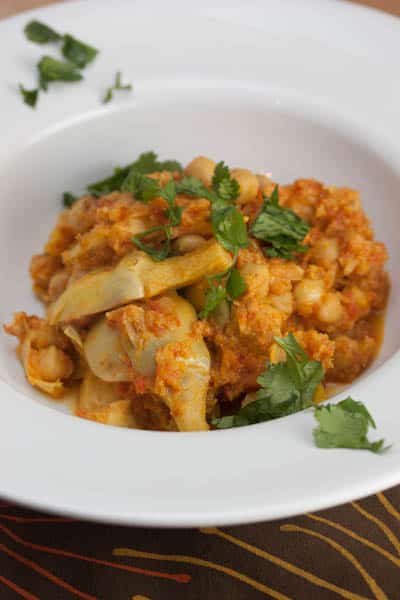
(136, 276)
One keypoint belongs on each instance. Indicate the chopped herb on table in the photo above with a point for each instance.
(51, 69)
(280, 228)
(29, 96)
(40, 33)
(117, 86)
(77, 53)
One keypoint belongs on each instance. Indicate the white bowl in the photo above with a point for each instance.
(299, 89)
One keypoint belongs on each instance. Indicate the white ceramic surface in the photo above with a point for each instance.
(300, 88)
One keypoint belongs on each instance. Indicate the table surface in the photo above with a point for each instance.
(351, 552)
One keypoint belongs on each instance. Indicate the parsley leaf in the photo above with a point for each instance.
(229, 228)
(191, 186)
(281, 228)
(146, 163)
(234, 287)
(157, 254)
(286, 387)
(142, 187)
(77, 52)
(40, 33)
(69, 199)
(227, 189)
(117, 86)
(345, 425)
(214, 296)
(30, 97)
(174, 214)
(51, 69)
(235, 284)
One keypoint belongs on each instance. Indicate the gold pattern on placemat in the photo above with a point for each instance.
(349, 552)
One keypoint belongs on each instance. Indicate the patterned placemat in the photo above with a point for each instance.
(352, 551)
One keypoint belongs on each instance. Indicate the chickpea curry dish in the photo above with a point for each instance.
(184, 299)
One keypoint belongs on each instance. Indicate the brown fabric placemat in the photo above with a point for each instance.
(351, 552)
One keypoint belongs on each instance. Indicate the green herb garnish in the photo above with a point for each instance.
(229, 228)
(214, 296)
(40, 33)
(74, 50)
(226, 188)
(142, 187)
(157, 254)
(174, 214)
(286, 387)
(30, 97)
(116, 87)
(146, 163)
(345, 425)
(234, 286)
(69, 199)
(281, 228)
(191, 186)
(51, 69)
(77, 52)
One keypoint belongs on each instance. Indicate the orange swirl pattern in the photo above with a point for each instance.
(350, 552)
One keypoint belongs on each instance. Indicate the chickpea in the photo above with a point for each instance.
(265, 184)
(307, 294)
(53, 364)
(331, 309)
(248, 183)
(188, 243)
(326, 251)
(202, 168)
(284, 302)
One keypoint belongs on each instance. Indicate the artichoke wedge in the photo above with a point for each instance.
(136, 276)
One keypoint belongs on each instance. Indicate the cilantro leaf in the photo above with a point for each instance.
(170, 165)
(174, 212)
(345, 425)
(214, 296)
(117, 86)
(40, 33)
(69, 199)
(191, 186)
(235, 284)
(286, 387)
(30, 97)
(141, 187)
(157, 254)
(281, 228)
(233, 287)
(229, 228)
(77, 52)
(51, 69)
(226, 188)
(146, 163)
